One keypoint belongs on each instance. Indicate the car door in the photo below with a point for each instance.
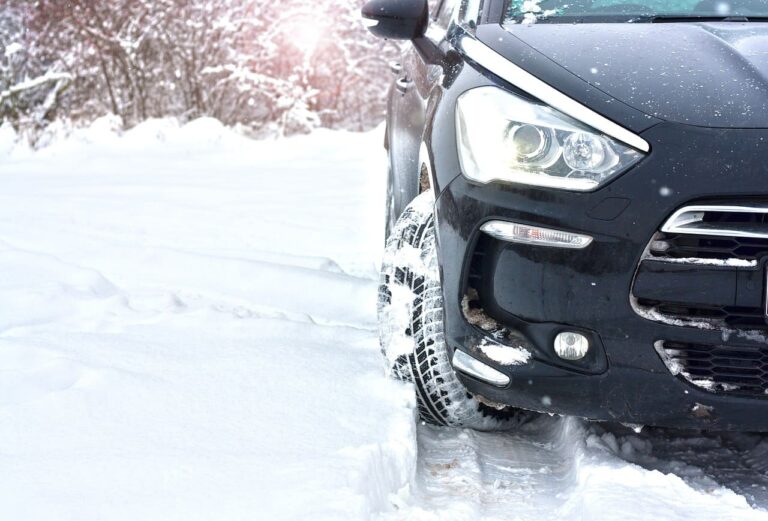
(414, 82)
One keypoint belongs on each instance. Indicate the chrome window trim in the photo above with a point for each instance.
(527, 82)
(684, 221)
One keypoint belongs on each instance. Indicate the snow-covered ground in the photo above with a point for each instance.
(187, 332)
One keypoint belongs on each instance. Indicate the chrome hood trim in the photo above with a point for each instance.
(527, 82)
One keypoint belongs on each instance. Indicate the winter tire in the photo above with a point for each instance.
(410, 309)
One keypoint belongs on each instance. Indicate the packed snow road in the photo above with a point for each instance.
(187, 331)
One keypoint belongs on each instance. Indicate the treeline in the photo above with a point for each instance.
(275, 67)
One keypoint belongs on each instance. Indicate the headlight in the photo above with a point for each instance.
(503, 137)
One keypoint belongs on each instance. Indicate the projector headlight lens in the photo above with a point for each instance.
(587, 152)
(503, 137)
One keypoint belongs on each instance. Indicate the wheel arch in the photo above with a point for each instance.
(411, 160)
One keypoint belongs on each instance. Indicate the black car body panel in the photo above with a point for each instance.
(702, 109)
(508, 44)
(702, 74)
(405, 128)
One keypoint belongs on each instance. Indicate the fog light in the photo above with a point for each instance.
(571, 346)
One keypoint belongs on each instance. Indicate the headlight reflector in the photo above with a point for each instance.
(504, 137)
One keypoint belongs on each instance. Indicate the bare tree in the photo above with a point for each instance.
(286, 66)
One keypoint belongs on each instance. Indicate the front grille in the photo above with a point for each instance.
(682, 246)
(705, 268)
(722, 317)
(736, 369)
(711, 259)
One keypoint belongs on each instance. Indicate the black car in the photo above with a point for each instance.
(578, 209)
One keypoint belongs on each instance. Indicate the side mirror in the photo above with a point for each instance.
(396, 19)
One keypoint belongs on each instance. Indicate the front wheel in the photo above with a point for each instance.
(410, 312)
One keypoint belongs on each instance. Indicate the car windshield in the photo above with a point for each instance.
(570, 11)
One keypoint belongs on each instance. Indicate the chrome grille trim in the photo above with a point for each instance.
(690, 220)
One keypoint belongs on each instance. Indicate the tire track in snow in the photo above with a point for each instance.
(566, 468)
(531, 469)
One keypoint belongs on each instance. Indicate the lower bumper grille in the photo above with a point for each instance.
(735, 369)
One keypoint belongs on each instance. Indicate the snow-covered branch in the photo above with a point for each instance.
(48, 77)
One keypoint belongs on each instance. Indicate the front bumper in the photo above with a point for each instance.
(540, 291)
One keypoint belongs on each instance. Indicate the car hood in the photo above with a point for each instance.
(703, 74)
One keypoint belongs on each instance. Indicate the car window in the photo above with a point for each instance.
(467, 13)
(446, 13)
(636, 10)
